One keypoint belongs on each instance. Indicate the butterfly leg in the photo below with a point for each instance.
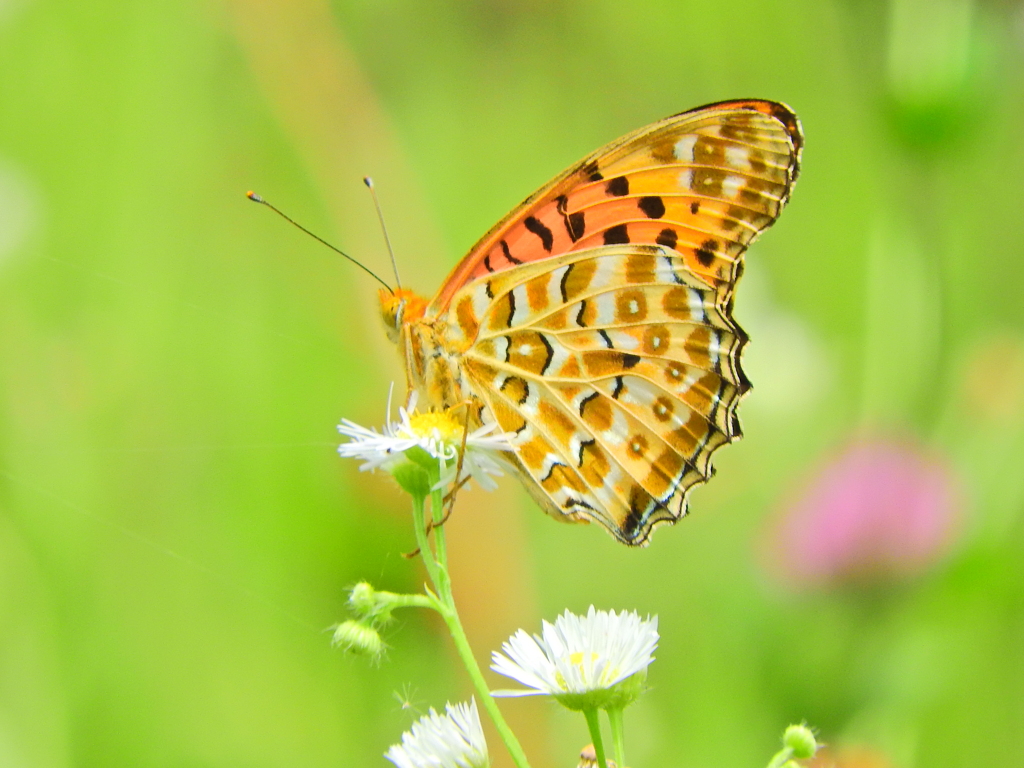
(459, 480)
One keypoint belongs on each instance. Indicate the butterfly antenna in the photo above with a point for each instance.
(257, 199)
(394, 262)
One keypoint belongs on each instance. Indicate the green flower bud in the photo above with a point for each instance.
(358, 638)
(800, 740)
(370, 605)
(361, 598)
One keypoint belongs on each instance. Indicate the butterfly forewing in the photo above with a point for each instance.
(593, 324)
(704, 182)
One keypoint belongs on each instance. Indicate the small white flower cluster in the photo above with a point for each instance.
(452, 740)
(439, 434)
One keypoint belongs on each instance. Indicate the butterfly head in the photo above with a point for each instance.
(399, 308)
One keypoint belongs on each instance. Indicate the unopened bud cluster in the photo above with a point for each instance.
(373, 609)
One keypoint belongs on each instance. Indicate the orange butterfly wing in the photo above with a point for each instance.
(727, 181)
(594, 325)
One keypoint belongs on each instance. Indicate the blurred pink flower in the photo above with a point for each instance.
(881, 508)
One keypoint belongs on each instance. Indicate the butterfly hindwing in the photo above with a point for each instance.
(611, 368)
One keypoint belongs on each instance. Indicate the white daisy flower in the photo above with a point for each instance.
(452, 740)
(595, 661)
(439, 434)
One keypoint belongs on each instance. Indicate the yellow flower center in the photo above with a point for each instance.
(448, 427)
(577, 659)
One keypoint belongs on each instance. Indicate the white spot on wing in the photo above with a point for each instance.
(732, 185)
(737, 157)
(550, 460)
(607, 272)
(714, 348)
(522, 304)
(530, 407)
(605, 304)
(481, 301)
(559, 355)
(555, 287)
(684, 149)
(500, 347)
(686, 179)
(696, 304)
(664, 271)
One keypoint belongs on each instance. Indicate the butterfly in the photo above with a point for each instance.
(593, 324)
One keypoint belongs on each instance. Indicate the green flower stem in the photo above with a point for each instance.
(618, 741)
(436, 562)
(781, 757)
(594, 724)
(420, 528)
(396, 600)
(440, 546)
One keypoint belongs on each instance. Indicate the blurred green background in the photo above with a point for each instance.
(176, 531)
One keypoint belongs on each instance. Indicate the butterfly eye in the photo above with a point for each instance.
(403, 307)
(391, 310)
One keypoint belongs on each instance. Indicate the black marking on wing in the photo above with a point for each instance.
(575, 223)
(617, 235)
(562, 283)
(551, 470)
(511, 307)
(550, 351)
(607, 339)
(617, 187)
(631, 524)
(653, 206)
(587, 399)
(540, 229)
(525, 383)
(667, 237)
(508, 254)
(579, 315)
(570, 503)
(706, 253)
(584, 444)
